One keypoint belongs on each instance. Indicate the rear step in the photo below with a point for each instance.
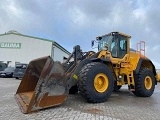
(42, 86)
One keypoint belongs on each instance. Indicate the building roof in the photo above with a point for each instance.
(53, 42)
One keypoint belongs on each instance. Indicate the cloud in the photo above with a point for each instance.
(78, 22)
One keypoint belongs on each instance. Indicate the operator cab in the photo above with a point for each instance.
(116, 43)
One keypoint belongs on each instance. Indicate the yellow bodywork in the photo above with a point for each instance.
(158, 76)
(125, 66)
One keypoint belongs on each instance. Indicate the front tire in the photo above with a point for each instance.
(145, 84)
(95, 82)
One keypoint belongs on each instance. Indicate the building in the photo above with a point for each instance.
(18, 48)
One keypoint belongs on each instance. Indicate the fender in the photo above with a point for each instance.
(147, 63)
(74, 79)
(89, 60)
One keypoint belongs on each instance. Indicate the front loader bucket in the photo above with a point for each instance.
(42, 86)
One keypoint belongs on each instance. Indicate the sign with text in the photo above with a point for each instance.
(10, 45)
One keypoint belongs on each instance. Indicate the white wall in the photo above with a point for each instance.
(59, 54)
(31, 48)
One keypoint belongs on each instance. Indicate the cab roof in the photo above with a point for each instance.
(117, 33)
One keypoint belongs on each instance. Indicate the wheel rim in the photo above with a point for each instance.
(101, 82)
(148, 82)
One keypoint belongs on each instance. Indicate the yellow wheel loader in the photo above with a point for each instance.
(47, 83)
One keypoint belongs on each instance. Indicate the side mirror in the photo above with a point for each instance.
(92, 43)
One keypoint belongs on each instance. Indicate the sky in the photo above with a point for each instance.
(78, 22)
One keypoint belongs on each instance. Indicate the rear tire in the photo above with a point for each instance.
(95, 82)
(145, 84)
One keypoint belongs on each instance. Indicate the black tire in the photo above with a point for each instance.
(73, 90)
(116, 87)
(86, 85)
(141, 89)
(11, 76)
(17, 78)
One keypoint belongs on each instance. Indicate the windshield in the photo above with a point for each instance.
(9, 69)
(21, 66)
(105, 41)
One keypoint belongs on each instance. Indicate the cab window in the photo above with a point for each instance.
(123, 46)
(119, 47)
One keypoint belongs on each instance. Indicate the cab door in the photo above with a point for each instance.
(120, 57)
(119, 47)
